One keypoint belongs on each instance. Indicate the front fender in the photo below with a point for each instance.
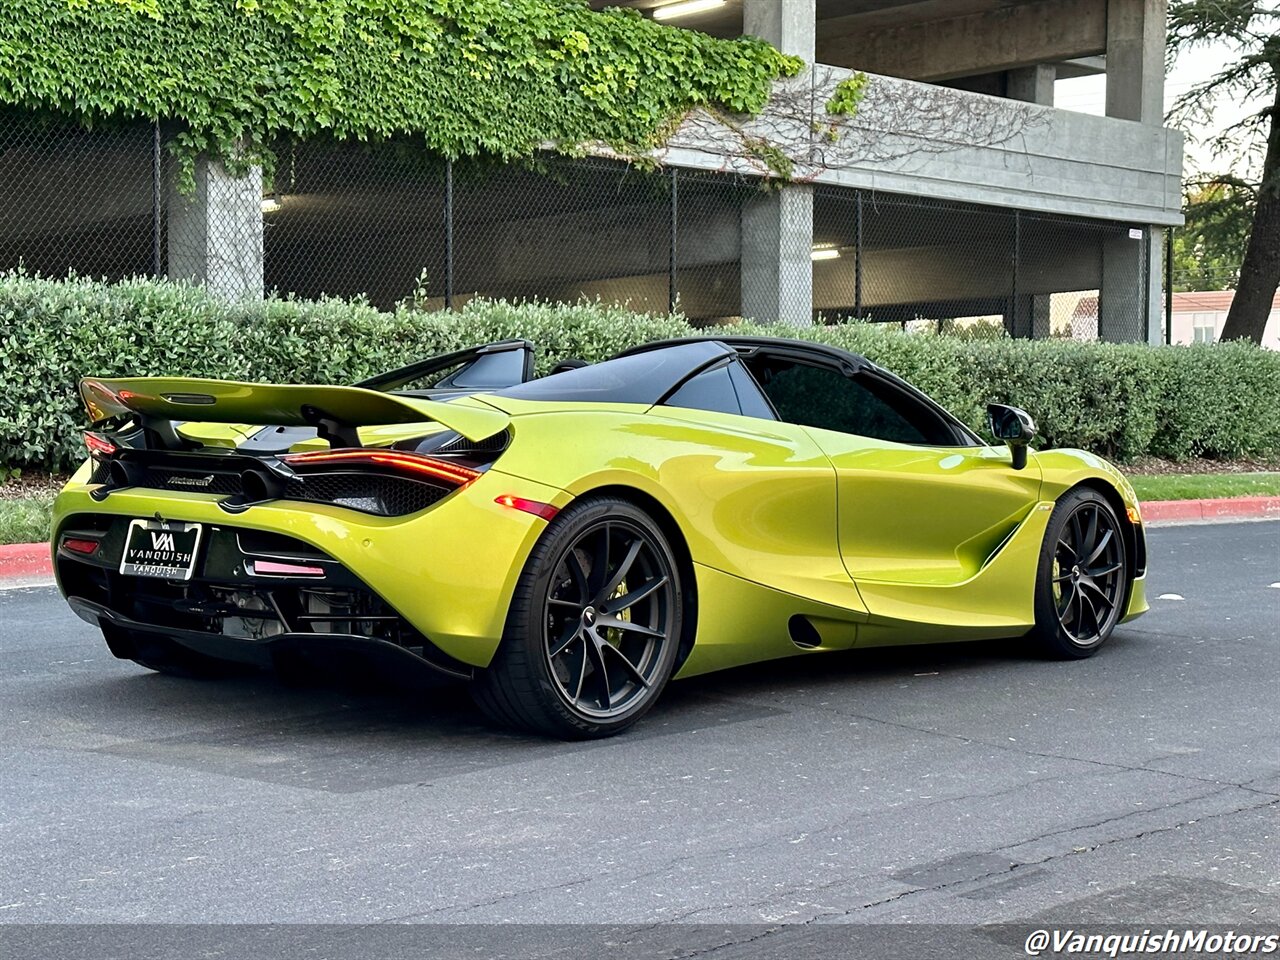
(1066, 468)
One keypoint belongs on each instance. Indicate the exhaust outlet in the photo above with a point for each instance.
(258, 485)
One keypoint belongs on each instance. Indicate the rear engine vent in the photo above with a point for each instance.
(460, 444)
(368, 493)
(264, 544)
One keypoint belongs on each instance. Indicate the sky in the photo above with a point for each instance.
(1089, 95)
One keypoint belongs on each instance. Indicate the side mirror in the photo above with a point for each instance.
(1012, 426)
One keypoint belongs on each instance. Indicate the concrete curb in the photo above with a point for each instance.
(31, 561)
(25, 561)
(1200, 511)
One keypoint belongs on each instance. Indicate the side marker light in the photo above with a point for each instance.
(536, 507)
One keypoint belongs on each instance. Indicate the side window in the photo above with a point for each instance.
(727, 388)
(709, 390)
(750, 398)
(488, 371)
(822, 397)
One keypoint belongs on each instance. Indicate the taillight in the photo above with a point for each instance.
(413, 465)
(99, 446)
(77, 545)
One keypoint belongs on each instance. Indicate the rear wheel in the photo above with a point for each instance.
(594, 626)
(1082, 582)
(166, 656)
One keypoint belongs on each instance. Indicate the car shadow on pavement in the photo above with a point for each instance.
(354, 733)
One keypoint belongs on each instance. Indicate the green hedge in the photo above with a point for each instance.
(1119, 400)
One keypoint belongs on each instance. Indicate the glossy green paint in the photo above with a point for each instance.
(225, 435)
(233, 402)
(752, 498)
(929, 515)
(1065, 468)
(448, 569)
(741, 622)
(873, 543)
(996, 600)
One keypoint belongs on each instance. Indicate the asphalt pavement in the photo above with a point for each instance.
(965, 784)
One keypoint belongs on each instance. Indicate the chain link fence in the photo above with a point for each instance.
(959, 267)
(76, 200)
(393, 224)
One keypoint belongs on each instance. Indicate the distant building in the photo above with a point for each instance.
(1198, 317)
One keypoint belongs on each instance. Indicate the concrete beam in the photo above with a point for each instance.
(215, 233)
(1001, 39)
(922, 139)
(1135, 60)
(1082, 67)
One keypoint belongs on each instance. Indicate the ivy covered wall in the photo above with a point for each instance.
(469, 77)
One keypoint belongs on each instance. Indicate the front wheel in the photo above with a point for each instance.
(594, 626)
(1083, 580)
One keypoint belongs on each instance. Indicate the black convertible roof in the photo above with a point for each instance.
(649, 372)
(747, 345)
(643, 376)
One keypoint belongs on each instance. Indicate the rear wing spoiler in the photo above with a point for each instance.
(336, 412)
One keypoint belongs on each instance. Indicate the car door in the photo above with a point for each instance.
(761, 492)
(920, 500)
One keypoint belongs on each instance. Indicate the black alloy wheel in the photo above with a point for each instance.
(1083, 576)
(594, 627)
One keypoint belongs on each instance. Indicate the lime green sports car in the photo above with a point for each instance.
(568, 544)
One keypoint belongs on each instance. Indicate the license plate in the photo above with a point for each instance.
(155, 548)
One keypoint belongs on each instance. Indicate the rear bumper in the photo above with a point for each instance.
(264, 653)
(449, 571)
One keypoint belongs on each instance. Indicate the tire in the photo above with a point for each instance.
(575, 662)
(166, 656)
(1082, 582)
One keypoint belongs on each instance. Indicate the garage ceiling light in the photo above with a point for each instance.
(684, 8)
(824, 251)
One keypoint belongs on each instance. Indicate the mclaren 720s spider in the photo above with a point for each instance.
(568, 544)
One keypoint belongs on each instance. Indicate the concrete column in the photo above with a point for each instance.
(777, 266)
(1033, 84)
(215, 233)
(1031, 318)
(1123, 300)
(777, 227)
(1135, 59)
(1155, 284)
(788, 24)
